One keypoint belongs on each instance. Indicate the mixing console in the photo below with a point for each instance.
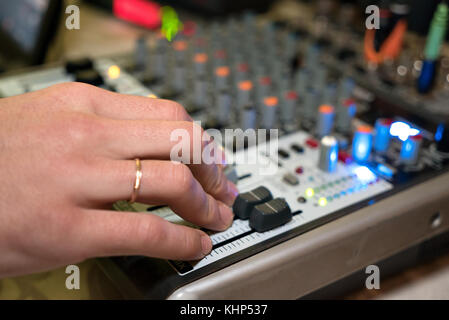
(348, 137)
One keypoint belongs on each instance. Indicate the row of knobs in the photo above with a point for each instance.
(367, 140)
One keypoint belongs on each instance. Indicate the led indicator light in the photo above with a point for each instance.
(322, 202)
(310, 193)
(113, 72)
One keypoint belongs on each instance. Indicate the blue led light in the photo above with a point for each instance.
(410, 150)
(364, 175)
(382, 139)
(384, 170)
(439, 133)
(402, 130)
(361, 146)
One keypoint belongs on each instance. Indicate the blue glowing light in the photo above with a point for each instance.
(384, 170)
(361, 146)
(439, 133)
(364, 175)
(402, 130)
(409, 150)
(382, 139)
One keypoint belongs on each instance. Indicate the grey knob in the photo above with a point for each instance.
(141, 54)
(248, 117)
(328, 154)
(224, 107)
(270, 106)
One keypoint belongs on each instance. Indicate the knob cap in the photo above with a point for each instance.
(74, 66)
(328, 154)
(325, 120)
(270, 215)
(245, 202)
(90, 77)
(383, 136)
(362, 144)
(269, 112)
(410, 150)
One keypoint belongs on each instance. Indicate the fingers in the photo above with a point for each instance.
(163, 182)
(167, 140)
(128, 107)
(156, 139)
(117, 106)
(112, 233)
(215, 183)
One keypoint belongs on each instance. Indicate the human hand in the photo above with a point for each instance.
(67, 153)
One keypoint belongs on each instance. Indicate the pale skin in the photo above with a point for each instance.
(67, 153)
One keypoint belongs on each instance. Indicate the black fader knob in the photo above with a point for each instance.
(245, 202)
(74, 66)
(90, 77)
(270, 215)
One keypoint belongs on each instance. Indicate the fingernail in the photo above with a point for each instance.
(206, 244)
(226, 215)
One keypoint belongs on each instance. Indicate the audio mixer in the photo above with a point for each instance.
(361, 162)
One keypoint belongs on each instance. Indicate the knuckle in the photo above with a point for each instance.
(82, 127)
(72, 88)
(150, 232)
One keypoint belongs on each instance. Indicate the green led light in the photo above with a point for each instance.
(310, 193)
(171, 24)
(322, 202)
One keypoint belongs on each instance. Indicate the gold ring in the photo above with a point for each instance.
(138, 181)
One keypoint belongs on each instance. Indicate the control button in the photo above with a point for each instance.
(302, 200)
(270, 215)
(248, 120)
(141, 53)
(269, 112)
(288, 107)
(222, 77)
(297, 148)
(223, 100)
(77, 65)
(325, 120)
(90, 77)
(291, 179)
(410, 149)
(245, 202)
(283, 154)
(311, 101)
(244, 93)
(345, 114)
(299, 170)
(383, 136)
(312, 143)
(362, 144)
(328, 154)
(200, 62)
